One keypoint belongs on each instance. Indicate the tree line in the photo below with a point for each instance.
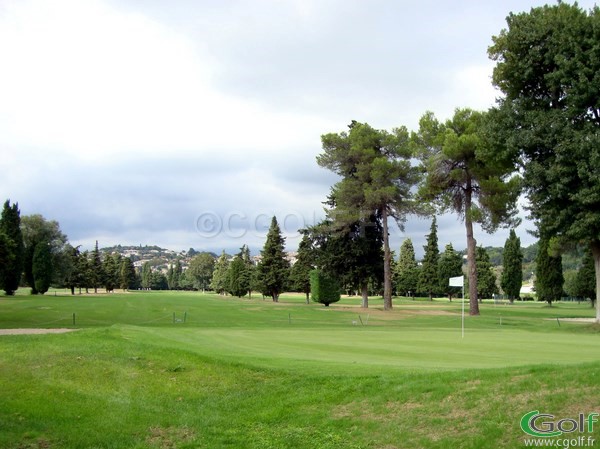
(271, 276)
(339, 261)
(541, 139)
(34, 252)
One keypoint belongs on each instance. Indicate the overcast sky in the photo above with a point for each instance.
(190, 123)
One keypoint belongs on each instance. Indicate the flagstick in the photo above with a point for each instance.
(463, 314)
(459, 281)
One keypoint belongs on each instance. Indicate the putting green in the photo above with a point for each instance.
(371, 350)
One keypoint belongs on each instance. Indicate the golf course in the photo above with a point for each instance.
(194, 370)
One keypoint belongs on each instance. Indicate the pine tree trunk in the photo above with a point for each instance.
(307, 298)
(596, 254)
(471, 264)
(387, 271)
(364, 291)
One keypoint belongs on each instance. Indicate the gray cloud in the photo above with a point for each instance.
(218, 107)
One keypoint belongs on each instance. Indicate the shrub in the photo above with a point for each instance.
(324, 288)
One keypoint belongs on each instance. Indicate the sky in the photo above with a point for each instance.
(191, 123)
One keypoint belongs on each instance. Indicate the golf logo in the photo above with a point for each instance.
(544, 425)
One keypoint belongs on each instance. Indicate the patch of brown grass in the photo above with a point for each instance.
(169, 437)
(390, 315)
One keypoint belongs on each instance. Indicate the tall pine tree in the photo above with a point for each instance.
(429, 278)
(512, 267)
(464, 176)
(377, 178)
(273, 269)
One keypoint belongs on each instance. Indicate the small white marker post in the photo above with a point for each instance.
(459, 281)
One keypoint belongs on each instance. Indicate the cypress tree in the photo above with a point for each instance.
(429, 279)
(147, 276)
(96, 269)
(219, 277)
(171, 277)
(300, 271)
(407, 270)
(512, 264)
(273, 270)
(249, 274)
(177, 274)
(42, 267)
(237, 284)
(86, 271)
(585, 282)
(10, 227)
(450, 265)
(127, 274)
(75, 275)
(6, 259)
(111, 271)
(549, 276)
(486, 279)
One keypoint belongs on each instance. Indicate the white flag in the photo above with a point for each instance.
(457, 281)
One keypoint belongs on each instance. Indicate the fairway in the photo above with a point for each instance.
(192, 370)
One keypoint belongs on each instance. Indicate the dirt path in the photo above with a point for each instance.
(34, 331)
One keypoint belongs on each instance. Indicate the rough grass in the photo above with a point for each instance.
(253, 374)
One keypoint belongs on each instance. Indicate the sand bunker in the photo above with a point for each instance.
(34, 331)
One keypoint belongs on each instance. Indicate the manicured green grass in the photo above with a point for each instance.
(243, 373)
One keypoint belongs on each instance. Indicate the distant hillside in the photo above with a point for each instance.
(159, 258)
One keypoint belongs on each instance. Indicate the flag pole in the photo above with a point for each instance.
(459, 281)
(463, 311)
